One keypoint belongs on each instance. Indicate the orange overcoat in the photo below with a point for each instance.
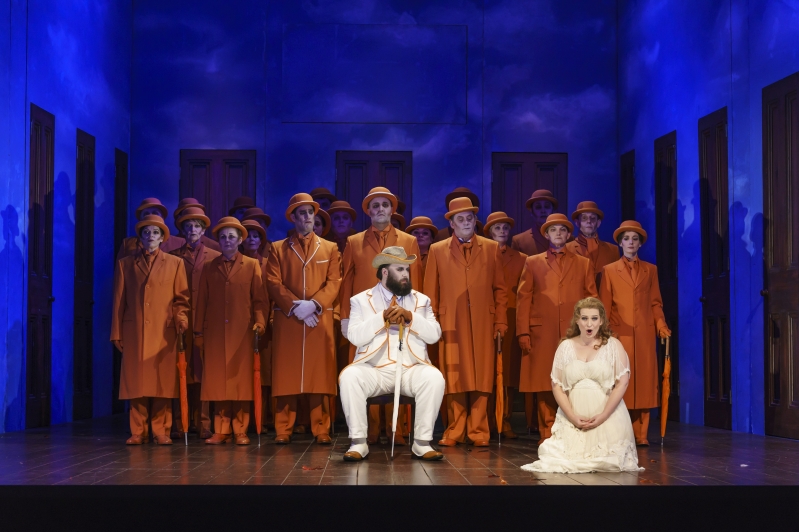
(303, 358)
(605, 254)
(149, 304)
(635, 313)
(228, 306)
(468, 298)
(545, 306)
(194, 269)
(132, 245)
(530, 242)
(512, 266)
(264, 343)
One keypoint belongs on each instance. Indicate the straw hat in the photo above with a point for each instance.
(153, 219)
(326, 218)
(587, 206)
(497, 218)
(193, 213)
(422, 222)
(401, 219)
(629, 225)
(229, 221)
(252, 225)
(298, 200)
(556, 219)
(462, 192)
(458, 205)
(242, 202)
(256, 213)
(323, 193)
(539, 195)
(146, 203)
(392, 255)
(341, 205)
(379, 191)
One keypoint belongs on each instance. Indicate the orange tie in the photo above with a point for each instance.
(634, 271)
(467, 250)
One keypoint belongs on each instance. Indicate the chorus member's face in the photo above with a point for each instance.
(229, 240)
(630, 243)
(541, 209)
(318, 225)
(148, 211)
(424, 237)
(193, 230)
(558, 235)
(380, 210)
(589, 323)
(324, 203)
(303, 218)
(151, 237)
(341, 222)
(589, 222)
(253, 241)
(500, 232)
(395, 223)
(462, 225)
(397, 279)
(239, 213)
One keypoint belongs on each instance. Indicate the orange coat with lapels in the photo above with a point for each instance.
(359, 275)
(545, 306)
(229, 304)
(149, 303)
(469, 298)
(635, 313)
(303, 358)
(605, 254)
(530, 242)
(512, 266)
(194, 269)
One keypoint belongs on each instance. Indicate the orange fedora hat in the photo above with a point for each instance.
(298, 200)
(496, 218)
(153, 219)
(419, 222)
(629, 225)
(229, 221)
(587, 206)
(539, 195)
(146, 203)
(379, 191)
(459, 205)
(556, 219)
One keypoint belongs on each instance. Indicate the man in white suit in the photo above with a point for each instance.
(376, 317)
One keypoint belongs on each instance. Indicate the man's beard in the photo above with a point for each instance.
(396, 287)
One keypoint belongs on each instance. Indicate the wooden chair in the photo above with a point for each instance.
(388, 399)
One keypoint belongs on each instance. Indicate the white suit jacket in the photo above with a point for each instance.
(378, 345)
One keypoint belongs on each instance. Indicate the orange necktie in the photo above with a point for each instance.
(467, 250)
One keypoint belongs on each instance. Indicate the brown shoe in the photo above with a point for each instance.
(481, 443)
(135, 440)
(283, 439)
(429, 456)
(446, 442)
(354, 456)
(509, 434)
(399, 440)
(162, 440)
(642, 443)
(324, 439)
(217, 439)
(241, 439)
(299, 429)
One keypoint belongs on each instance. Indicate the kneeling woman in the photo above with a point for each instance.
(592, 430)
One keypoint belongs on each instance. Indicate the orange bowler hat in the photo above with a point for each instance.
(146, 203)
(298, 200)
(459, 205)
(541, 195)
(462, 192)
(242, 202)
(153, 219)
(341, 205)
(420, 222)
(256, 213)
(629, 225)
(556, 219)
(379, 191)
(496, 218)
(252, 225)
(587, 206)
(193, 213)
(326, 217)
(229, 221)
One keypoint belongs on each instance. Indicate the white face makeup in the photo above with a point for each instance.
(253, 241)
(589, 323)
(229, 241)
(630, 243)
(541, 209)
(424, 236)
(193, 230)
(303, 218)
(341, 222)
(500, 232)
(463, 225)
(589, 222)
(558, 235)
(151, 237)
(380, 210)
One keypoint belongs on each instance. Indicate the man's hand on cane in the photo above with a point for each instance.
(500, 329)
(397, 314)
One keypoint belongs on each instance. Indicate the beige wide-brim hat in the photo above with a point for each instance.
(298, 200)
(342, 206)
(541, 195)
(393, 255)
(229, 221)
(193, 213)
(379, 191)
(420, 222)
(459, 205)
(153, 219)
(587, 206)
(629, 225)
(556, 219)
(497, 218)
(146, 203)
(252, 225)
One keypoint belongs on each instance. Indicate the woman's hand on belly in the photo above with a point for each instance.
(595, 421)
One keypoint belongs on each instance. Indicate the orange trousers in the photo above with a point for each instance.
(286, 413)
(155, 410)
(547, 408)
(231, 417)
(467, 414)
(640, 419)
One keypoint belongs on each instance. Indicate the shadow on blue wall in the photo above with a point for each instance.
(12, 376)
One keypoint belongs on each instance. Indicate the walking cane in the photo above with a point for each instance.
(397, 386)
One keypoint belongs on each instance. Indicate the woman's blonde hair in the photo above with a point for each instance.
(604, 333)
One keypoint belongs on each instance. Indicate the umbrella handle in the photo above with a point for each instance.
(181, 344)
(255, 340)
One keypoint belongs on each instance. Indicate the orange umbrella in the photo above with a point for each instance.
(184, 396)
(500, 400)
(256, 385)
(665, 389)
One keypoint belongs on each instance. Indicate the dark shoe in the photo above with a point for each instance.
(481, 443)
(354, 456)
(642, 443)
(429, 456)
(509, 434)
(324, 439)
(218, 439)
(446, 442)
(205, 434)
(176, 435)
(135, 440)
(162, 440)
(372, 441)
(241, 439)
(283, 439)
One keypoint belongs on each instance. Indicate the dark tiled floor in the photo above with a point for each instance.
(93, 452)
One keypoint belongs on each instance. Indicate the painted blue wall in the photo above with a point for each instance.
(679, 61)
(73, 60)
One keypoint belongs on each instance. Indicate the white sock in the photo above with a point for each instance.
(359, 445)
(421, 447)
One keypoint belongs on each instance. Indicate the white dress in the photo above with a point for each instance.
(608, 447)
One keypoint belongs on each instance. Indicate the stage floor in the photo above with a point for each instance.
(93, 452)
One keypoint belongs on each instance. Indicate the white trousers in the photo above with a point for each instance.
(358, 382)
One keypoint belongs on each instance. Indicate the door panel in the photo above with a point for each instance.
(781, 271)
(666, 214)
(515, 176)
(216, 178)
(40, 268)
(120, 232)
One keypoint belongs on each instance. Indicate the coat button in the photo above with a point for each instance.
(225, 321)
(227, 282)
(146, 321)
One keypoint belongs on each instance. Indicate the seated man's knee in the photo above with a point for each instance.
(348, 376)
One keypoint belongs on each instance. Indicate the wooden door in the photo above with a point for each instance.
(715, 296)
(666, 215)
(627, 168)
(357, 172)
(120, 232)
(781, 249)
(515, 176)
(40, 269)
(216, 178)
(84, 278)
